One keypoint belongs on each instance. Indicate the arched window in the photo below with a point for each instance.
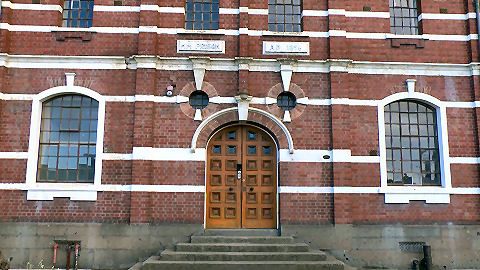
(68, 136)
(411, 140)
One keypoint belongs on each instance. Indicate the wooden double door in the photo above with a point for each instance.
(241, 189)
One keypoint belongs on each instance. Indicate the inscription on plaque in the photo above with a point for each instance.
(200, 46)
(300, 48)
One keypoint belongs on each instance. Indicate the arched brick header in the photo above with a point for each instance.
(230, 115)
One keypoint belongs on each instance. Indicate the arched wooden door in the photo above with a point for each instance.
(241, 179)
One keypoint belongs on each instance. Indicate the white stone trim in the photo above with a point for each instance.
(228, 110)
(443, 150)
(97, 8)
(229, 64)
(235, 32)
(440, 16)
(255, 100)
(464, 160)
(13, 155)
(168, 154)
(9, 4)
(282, 189)
(39, 191)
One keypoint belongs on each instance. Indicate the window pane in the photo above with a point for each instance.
(61, 151)
(412, 148)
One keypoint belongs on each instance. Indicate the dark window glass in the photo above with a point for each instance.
(286, 101)
(201, 14)
(198, 100)
(285, 15)
(77, 13)
(68, 137)
(412, 144)
(404, 17)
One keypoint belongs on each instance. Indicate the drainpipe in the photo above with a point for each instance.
(477, 11)
(427, 256)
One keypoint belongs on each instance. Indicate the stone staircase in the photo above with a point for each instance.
(256, 249)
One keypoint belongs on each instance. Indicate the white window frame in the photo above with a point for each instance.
(405, 194)
(74, 191)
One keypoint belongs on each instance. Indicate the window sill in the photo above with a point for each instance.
(404, 40)
(403, 194)
(284, 34)
(49, 191)
(201, 32)
(85, 34)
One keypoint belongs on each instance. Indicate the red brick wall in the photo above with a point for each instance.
(167, 125)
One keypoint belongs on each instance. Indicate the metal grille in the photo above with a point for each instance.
(285, 15)
(201, 14)
(404, 17)
(68, 136)
(198, 100)
(412, 247)
(286, 101)
(77, 13)
(412, 144)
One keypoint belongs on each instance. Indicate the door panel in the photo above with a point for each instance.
(241, 179)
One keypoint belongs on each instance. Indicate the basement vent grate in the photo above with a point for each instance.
(413, 247)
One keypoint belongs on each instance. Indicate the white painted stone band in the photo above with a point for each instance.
(185, 154)
(259, 101)
(229, 64)
(282, 189)
(234, 32)
(235, 11)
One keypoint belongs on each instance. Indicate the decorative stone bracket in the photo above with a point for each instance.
(286, 71)
(410, 85)
(199, 67)
(243, 101)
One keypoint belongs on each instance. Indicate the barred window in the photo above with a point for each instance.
(201, 14)
(411, 144)
(198, 99)
(285, 15)
(77, 13)
(68, 136)
(404, 17)
(286, 101)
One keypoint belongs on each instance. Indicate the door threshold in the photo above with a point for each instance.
(241, 232)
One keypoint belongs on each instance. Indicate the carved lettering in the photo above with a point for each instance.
(302, 48)
(201, 46)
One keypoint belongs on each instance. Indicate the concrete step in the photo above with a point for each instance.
(314, 255)
(241, 232)
(241, 247)
(241, 265)
(243, 239)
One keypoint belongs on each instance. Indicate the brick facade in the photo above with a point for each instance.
(338, 87)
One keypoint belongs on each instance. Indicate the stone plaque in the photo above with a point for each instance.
(299, 48)
(201, 46)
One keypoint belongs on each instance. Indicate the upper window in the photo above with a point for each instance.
(77, 13)
(285, 15)
(411, 141)
(68, 136)
(201, 14)
(404, 17)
